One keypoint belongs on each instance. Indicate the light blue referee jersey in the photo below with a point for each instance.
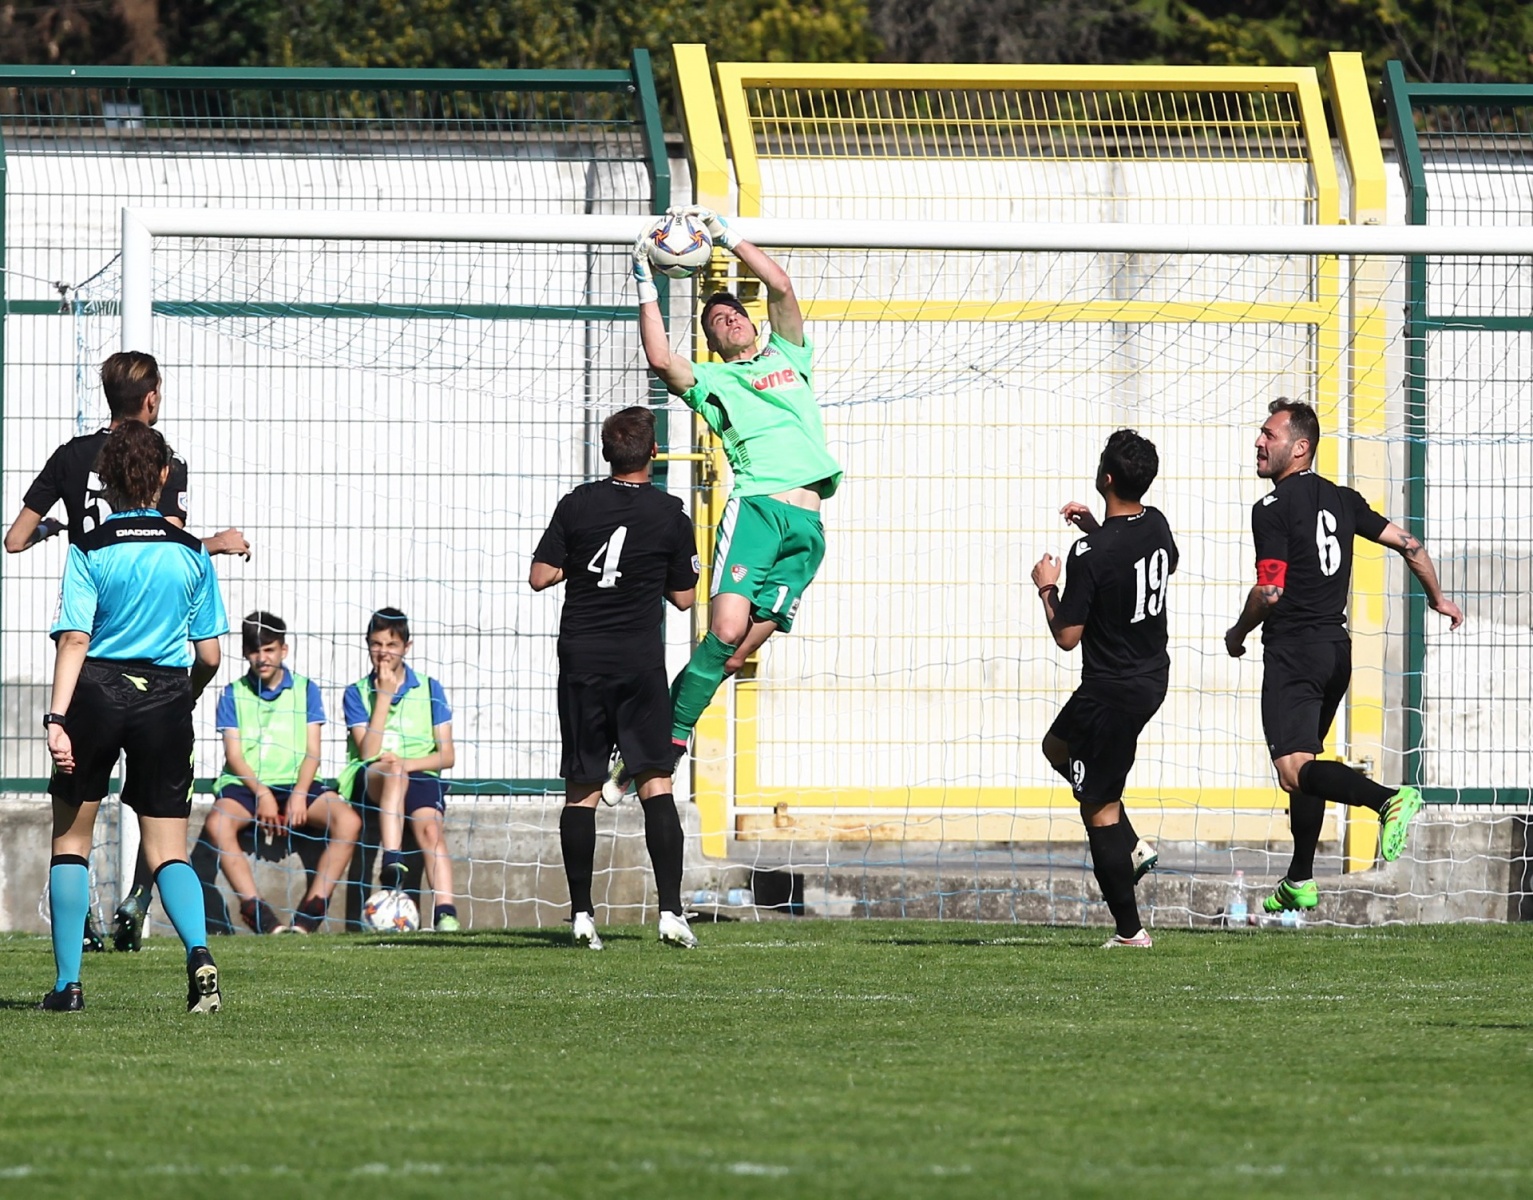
(142, 589)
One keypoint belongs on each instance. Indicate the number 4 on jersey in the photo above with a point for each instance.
(604, 561)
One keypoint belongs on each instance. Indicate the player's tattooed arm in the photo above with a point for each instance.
(1420, 564)
(1046, 580)
(1260, 601)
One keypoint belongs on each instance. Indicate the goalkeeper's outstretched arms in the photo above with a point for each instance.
(782, 304)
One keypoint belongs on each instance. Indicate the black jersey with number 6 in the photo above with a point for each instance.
(1116, 584)
(1303, 531)
(70, 475)
(622, 547)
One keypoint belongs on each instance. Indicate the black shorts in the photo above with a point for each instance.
(246, 799)
(424, 790)
(1102, 740)
(600, 712)
(1302, 687)
(141, 710)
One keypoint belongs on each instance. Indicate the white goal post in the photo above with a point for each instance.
(140, 226)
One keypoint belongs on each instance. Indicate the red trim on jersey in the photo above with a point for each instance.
(1271, 572)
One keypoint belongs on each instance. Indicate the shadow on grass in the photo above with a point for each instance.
(496, 939)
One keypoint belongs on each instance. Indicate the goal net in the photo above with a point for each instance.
(379, 418)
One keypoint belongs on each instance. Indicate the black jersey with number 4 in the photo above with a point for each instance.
(1116, 584)
(70, 475)
(1303, 531)
(622, 547)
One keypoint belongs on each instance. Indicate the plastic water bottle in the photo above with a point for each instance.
(1236, 911)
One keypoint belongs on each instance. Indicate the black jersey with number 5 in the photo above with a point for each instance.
(622, 547)
(1116, 584)
(1303, 531)
(70, 475)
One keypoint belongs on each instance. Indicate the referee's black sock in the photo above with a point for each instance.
(1337, 781)
(1112, 859)
(1306, 815)
(577, 838)
(663, 836)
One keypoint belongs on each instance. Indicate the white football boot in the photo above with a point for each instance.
(585, 931)
(674, 931)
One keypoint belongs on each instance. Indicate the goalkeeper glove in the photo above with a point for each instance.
(46, 528)
(644, 269)
(718, 228)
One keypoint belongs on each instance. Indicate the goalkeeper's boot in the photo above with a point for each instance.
(128, 922)
(93, 942)
(1292, 897)
(585, 931)
(615, 786)
(1395, 820)
(1140, 941)
(69, 998)
(674, 931)
(202, 994)
(1144, 859)
(261, 917)
(309, 916)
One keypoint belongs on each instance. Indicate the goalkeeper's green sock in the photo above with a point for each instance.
(695, 686)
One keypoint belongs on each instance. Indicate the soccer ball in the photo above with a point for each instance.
(391, 911)
(678, 246)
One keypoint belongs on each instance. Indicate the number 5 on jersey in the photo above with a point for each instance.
(604, 561)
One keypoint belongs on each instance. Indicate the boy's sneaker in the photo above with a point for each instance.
(447, 923)
(69, 998)
(1140, 941)
(202, 994)
(585, 931)
(128, 923)
(310, 915)
(92, 942)
(392, 877)
(1292, 896)
(1144, 859)
(261, 917)
(1394, 822)
(674, 931)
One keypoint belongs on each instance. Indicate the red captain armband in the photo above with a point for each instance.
(1271, 572)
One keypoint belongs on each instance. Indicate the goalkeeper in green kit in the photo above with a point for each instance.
(760, 401)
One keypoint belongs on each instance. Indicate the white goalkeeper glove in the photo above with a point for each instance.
(718, 228)
(644, 269)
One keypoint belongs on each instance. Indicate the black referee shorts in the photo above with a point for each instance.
(1303, 683)
(1103, 740)
(145, 711)
(599, 712)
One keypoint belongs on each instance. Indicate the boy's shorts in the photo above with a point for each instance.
(246, 798)
(768, 552)
(423, 791)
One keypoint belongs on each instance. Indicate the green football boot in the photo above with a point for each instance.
(1292, 896)
(1395, 820)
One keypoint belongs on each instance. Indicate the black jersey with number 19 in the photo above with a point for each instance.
(1303, 531)
(622, 547)
(1117, 578)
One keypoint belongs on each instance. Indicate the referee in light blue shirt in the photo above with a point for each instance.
(137, 589)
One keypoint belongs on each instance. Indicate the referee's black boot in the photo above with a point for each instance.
(69, 998)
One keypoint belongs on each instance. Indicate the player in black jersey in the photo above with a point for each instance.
(621, 547)
(1114, 607)
(1303, 531)
(132, 384)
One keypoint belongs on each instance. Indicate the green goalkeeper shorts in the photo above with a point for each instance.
(768, 552)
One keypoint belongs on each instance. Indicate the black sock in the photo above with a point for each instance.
(577, 838)
(1339, 782)
(663, 836)
(1306, 815)
(1111, 856)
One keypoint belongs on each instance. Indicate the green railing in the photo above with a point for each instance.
(1479, 137)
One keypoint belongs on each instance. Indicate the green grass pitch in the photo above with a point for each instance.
(825, 1059)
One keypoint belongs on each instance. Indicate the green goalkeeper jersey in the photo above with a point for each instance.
(764, 410)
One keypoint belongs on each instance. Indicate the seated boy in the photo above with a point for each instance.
(271, 719)
(401, 741)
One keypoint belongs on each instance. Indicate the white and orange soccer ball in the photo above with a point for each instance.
(391, 911)
(679, 246)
